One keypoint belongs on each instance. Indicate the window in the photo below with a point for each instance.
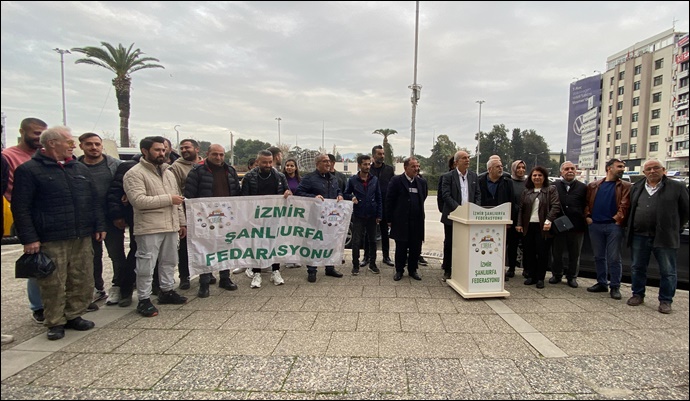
(683, 113)
(608, 137)
(618, 135)
(617, 150)
(682, 130)
(619, 120)
(621, 75)
(656, 98)
(654, 130)
(635, 117)
(656, 113)
(658, 80)
(636, 85)
(611, 82)
(682, 145)
(633, 148)
(659, 64)
(636, 101)
(609, 123)
(610, 109)
(621, 90)
(683, 82)
(608, 151)
(638, 69)
(610, 95)
(653, 146)
(633, 133)
(619, 106)
(684, 66)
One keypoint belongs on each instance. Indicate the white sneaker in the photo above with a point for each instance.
(249, 272)
(113, 296)
(256, 281)
(276, 278)
(6, 339)
(239, 270)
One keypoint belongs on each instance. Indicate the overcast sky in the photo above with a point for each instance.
(344, 67)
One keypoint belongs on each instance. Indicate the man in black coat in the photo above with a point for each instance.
(458, 186)
(658, 213)
(56, 209)
(213, 178)
(405, 212)
(573, 197)
(320, 184)
(384, 173)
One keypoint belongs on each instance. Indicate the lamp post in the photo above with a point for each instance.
(414, 98)
(178, 135)
(479, 132)
(535, 157)
(62, 76)
(278, 118)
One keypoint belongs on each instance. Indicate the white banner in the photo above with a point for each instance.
(257, 231)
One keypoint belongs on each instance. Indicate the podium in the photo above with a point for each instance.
(479, 242)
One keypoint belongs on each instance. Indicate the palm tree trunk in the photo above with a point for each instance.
(122, 86)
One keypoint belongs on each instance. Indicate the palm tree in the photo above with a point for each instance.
(122, 62)
(386, 147)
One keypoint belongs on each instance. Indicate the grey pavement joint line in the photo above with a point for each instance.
(542, 344)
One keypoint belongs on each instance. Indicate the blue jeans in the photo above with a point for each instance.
(606, 243)
(34, 293)
(642, 249)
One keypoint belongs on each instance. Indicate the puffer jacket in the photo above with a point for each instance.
(149, 193)
(369, 201)
(314, 184)
(250, 182)
(199, 183)
(52, 201)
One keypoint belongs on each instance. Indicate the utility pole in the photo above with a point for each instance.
(415, 88)
(278, 118)
(62, 76)
(178, 136)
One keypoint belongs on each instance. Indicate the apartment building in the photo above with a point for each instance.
(644, 104)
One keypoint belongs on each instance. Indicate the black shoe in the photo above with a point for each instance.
(184, 283)
(374, 269)
(204, 291)
(355, 271)
(364, 262)
(446, 276)
(615, 293)
(416, 276)
(125, 301)
(56, 332)
(92, 307)
(171, 297)
(146, 308)
(540, 283)
(334, 273)
(572, 282)
(388, 261)
(212, 280)
(555, 279)
(227, 284)
(510, 273)
(311, 277)
(38, 316)
(422, 261)
(598, 287)
(80, 324)
(530, 281)
(398, 276)
(525, 273)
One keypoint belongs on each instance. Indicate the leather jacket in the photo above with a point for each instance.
(622, 199)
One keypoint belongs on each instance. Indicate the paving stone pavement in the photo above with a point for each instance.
(363, 337)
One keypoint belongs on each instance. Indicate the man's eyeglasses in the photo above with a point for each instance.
(653, 168)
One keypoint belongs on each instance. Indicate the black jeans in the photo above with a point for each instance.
(359, 224)
(115, 244)
(385, 240)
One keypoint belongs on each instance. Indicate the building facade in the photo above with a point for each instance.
(642, 112)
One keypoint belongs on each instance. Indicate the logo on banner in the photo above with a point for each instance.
(332, 217)
(220, 215)
(487, 241)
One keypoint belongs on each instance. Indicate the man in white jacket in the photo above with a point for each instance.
(159, 222)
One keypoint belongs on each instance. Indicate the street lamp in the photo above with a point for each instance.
(535, 157)
(62, 75)
(178, 135)
(278, 118)
(479, 132)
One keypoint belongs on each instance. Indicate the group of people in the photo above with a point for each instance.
(649, 216)
(67, 208)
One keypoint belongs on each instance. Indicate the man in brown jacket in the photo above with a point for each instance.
(606, 212)
(159, 221)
